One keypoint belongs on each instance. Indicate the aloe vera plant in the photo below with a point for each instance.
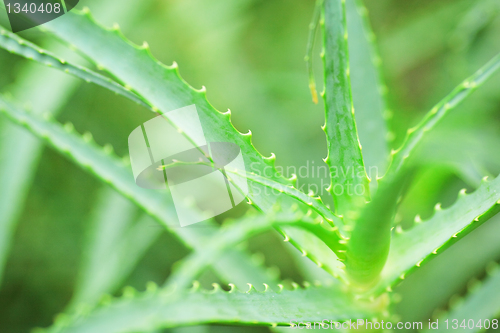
(353, 233)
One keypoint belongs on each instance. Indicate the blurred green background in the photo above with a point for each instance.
(249, 54)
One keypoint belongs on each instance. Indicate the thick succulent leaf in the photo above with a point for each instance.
(368, 246)
(161, 86)
(368, 90)
(15, 44)
(411, 248)
(105, 167)
(153, 309)
(232, 235)
(404, 254)
(165, 90)
(349, 187)
(461, 92)
(477, 312)
(446, 275)
(370, 240)
(115, 242)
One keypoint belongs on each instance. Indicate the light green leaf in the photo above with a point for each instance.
(370, 239)
(349, 186)
(153, 309)
(328, 257)
(368, 246)
(447, 274)
(230, 236)
(461, 92)
(368, 90)
(410, 249)
(15, 44)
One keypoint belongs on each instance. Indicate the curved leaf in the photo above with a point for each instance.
(461, 92)
(15, 44)
(370, 241)
(152, 309)
(411, 248)
(161, 86)
(232, 235)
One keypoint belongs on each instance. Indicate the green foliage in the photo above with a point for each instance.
(412, 248)
(14, 44)
(365, 242)
(154, 308)
(344, 149)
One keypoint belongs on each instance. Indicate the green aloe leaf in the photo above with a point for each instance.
(161, 86)
(393, 177)
(370, 241)
(368, 90)
(17, 45)
(101, 163)
(461, 92)
(165, 90)
(152, 309)
(230, 236)
(349, 186)
(464, 261)
(412, 248)
(477, 312)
